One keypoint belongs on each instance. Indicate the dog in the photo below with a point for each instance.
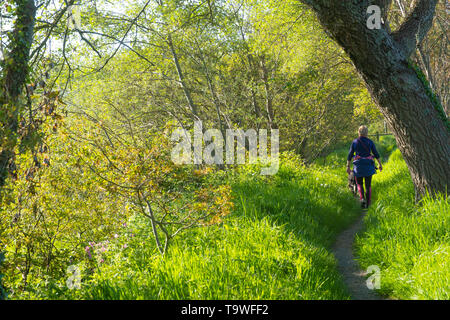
(352, 183)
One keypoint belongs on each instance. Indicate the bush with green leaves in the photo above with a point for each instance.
(85, 191)
(274, 245)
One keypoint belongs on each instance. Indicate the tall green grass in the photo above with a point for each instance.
(273, 246)
(410, 244)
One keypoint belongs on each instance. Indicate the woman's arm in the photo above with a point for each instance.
(380, 166)
(377, 156)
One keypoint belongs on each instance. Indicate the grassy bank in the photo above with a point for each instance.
(273, 246)
(276, 242)
(410, 244)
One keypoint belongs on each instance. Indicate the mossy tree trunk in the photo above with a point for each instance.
(14, 72)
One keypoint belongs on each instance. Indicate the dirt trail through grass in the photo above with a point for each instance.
(354, 278)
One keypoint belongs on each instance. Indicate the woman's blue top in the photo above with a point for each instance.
(362, 149)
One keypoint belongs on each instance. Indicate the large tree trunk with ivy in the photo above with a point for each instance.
(382, 59)
(14, 72)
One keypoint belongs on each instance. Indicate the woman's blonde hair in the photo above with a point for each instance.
(363, 131)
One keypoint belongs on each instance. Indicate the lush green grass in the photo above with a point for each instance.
(274, 246)
(410, 244)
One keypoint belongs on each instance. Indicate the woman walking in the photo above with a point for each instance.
(363, 151)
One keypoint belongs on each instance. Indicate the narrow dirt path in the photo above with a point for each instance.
(354, 278)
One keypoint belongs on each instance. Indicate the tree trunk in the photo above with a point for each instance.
(12, 81)
(269, 100)
(381, 59)
(186, 90)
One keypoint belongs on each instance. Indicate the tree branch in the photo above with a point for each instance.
(416, 26)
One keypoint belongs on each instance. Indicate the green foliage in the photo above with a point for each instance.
(269, 54)
(409, 243)
(319, 98)
(273, 246)
(96, 195)
(84, 190)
